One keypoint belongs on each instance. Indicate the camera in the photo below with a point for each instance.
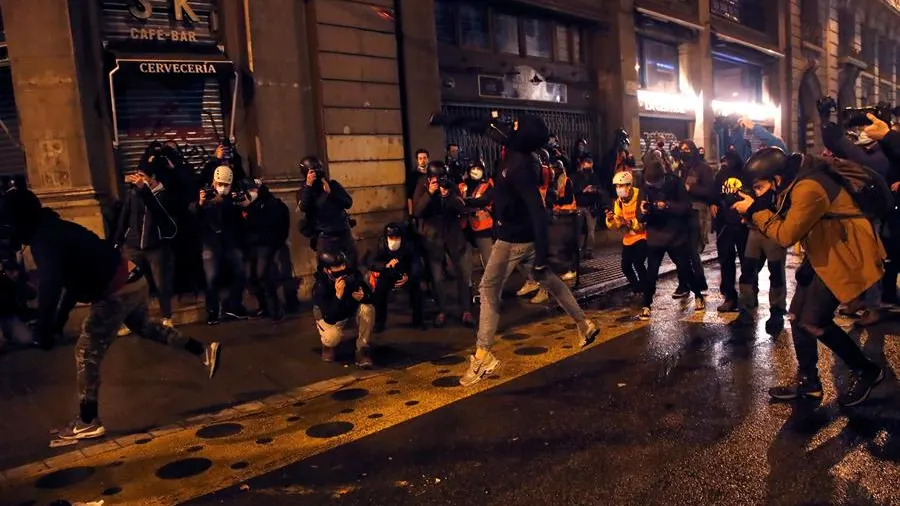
(826, 107)
(856, 116)
(444, 182)
(209, 192)
(733, 197)
(238, 197)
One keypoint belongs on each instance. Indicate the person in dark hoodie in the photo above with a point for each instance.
(662, 207)
(325, 203)
(590, 197)
(146, 229)
(341, 293)
(521, 229)
(267, 225)
(395, 265)
(698, 180)
(75, 265)
(731, 231)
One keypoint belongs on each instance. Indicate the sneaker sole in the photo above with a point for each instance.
(100, 432)
(795, 397)
(868, 392)
(216, 353)
(590, 338)
(481, 376)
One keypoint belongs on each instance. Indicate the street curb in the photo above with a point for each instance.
(296, 396)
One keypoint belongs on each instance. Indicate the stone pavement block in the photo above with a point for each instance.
(277, 400)
(65, 460)
(131, 439)
(97, 449)
(250, 407)
(25, 471)
(167, 429)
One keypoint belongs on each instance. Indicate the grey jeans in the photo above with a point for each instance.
(482, 248)
(505, 257)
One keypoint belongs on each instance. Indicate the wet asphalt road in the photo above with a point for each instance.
(676, 413)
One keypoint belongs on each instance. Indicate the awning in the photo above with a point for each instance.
(154, 65)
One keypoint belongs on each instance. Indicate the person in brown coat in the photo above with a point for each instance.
(797, 201)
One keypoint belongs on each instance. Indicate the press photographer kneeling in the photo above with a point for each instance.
(339, 294)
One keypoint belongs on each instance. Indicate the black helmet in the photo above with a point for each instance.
(766, 163)
(559, 165)
(311, 163)
(329, 259)
(437, 168)
(393, 230)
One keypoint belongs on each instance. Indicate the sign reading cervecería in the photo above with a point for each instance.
(176, 68)
(160, 23)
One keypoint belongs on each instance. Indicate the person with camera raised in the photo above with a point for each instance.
(806, 199)
(731, 231)
(340, 293)
(225, 154)
(590, 197)
(145, 231)
(267, 225)
(221, 233)
(396, 265)
(438, 207)
(664, 209)
(324, 203)
(698, 180)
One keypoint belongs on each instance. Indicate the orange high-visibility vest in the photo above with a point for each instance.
(373, 278)
(560, 193)
(481, 219)
(628, 212)
(546, 179)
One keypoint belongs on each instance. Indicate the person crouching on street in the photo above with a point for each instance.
(664, 208)
(396, 265)
(623, 216)
(341, 293)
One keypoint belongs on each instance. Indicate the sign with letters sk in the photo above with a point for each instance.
(160, 24)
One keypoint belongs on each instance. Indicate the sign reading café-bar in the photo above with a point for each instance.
(160, 25)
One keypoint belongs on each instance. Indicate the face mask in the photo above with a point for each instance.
(335, 275)
(476, 174)
(588, 167)
(393, 244)
(253, 195)
(223, 189)
(622, 193)
(686, 154)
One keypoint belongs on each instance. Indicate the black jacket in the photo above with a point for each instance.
(666, 227)
(267, 221)
(326, 212)
(220, 222)
(406, 257)
(437, 216)
(591, 200)
(333, 309)
(835, 139)
(71, 257)
(732, 169)
(699, 176)
(519, 212)
(146, 219)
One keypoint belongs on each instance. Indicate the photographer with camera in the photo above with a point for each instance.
(697, 178)
(146, 230)
(221, 233)
(324, 203)
(616, 160)
(477, 223)
(396, 265)
(664, 208)
(520, 222)
(438, 207)
(814, 206)
(225, 154)
(341, 293)
(267, 223)
(590, 197)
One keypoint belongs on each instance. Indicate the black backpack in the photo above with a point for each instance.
(868, 189)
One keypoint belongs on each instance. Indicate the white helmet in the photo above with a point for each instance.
(223, 174)
(623, 177)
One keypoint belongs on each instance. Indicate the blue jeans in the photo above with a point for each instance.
(504, 259)
(215, 255)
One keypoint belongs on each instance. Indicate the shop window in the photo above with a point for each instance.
(562, 43)
(866, 91)
(538, 38)
(473, 26)
(506, 33)
(658, 66)
(445, 22)
(577, 51)
(736, 82)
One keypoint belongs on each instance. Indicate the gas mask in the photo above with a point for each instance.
(223, 189)
(622, 191)
(393, 243)
(476, 174)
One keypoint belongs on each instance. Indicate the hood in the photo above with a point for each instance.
(732, 162)
(531, 135)
(654, 168)
(695, 153)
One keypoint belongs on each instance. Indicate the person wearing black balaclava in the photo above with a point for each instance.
(699, 182)
(731, 232)
(590, 197)
(521, 225)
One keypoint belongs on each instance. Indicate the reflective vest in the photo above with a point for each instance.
(480, 219)
(546, 179)
(628, 212)
(373, 279)
(560, 193)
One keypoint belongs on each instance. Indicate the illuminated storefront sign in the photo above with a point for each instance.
(756, 112)
(667, 104)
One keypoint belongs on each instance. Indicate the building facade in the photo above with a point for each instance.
(86, 86)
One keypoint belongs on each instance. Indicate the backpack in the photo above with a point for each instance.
(870, 192)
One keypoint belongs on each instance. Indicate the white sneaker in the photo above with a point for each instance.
(589, 335)
(167, 322)
(644, 314)
(528, 288)
(541, 297)
(568, 276)
(124, 331)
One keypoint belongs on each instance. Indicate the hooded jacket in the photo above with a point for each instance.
(519, 212)
(146, 220)
(267, 221)
(327, 212)
(438, 216)
(669, 226)
(697, 174)
(731, 173)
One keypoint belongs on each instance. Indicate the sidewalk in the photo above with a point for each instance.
(147, 385)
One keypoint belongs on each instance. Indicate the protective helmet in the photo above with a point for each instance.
(393, 230)
(559, 165)
(766, 163)
(311, 163)
(329, 259)
(623, 177)
(477, 163)
(223, 174)
(437, 168)
(544, 155)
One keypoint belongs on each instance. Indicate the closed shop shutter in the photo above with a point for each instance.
(671, 131)
(184, 109)
(569, 127)
(12, 157)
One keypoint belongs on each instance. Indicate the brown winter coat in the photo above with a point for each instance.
(846, 253)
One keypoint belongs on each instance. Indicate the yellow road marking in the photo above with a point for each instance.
(272, 439)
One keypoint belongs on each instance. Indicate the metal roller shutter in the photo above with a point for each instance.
(12, 156)
(569, 126)
(671, 131)
(185, 109)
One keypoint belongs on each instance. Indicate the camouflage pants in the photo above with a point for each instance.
(129, 306)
